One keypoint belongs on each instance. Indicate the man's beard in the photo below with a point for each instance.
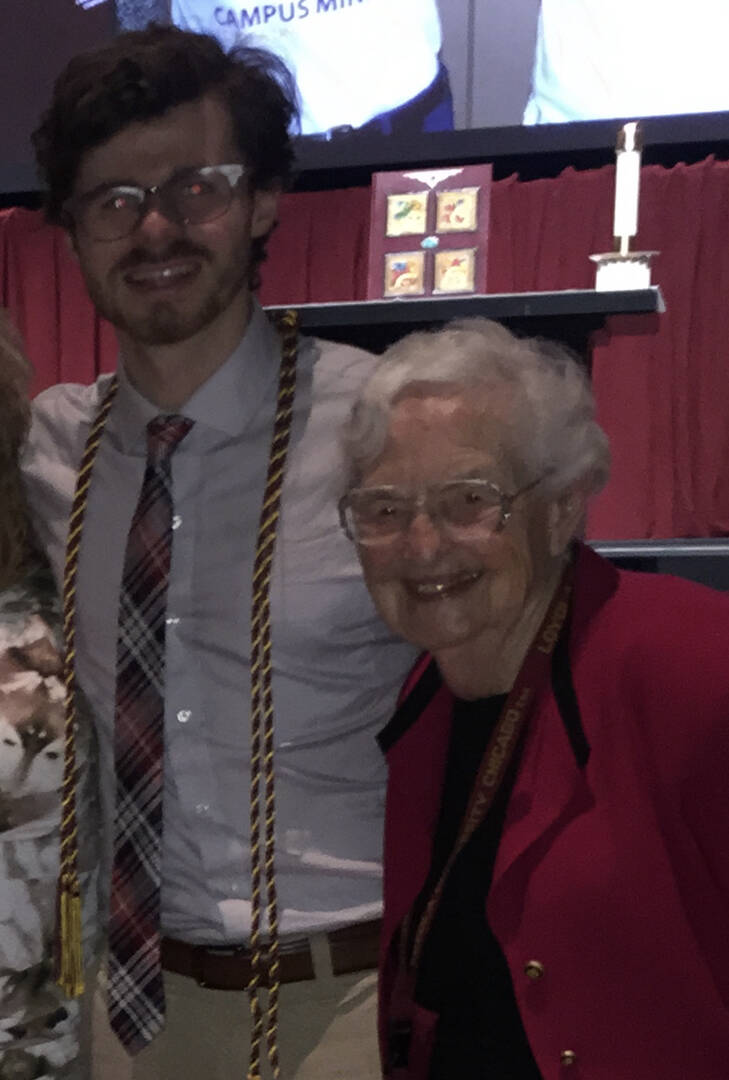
(168, 322)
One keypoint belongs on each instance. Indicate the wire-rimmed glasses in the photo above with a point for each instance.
(189, 197)
(462, 508)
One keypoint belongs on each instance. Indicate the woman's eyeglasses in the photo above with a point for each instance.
(378, 515)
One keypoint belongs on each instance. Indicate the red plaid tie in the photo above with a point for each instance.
(136, 993)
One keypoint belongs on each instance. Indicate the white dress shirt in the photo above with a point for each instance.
(336, 670)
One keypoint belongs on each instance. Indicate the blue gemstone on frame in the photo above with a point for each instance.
(429, 242)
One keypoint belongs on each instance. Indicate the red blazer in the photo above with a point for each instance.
(613, 874)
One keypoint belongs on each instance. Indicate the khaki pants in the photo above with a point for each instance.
(327, 1031)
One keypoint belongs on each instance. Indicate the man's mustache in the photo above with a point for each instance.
(180, 249)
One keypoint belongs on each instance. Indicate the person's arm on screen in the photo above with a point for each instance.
(136, 14)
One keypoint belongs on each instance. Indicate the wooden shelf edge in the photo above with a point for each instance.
(564, 302)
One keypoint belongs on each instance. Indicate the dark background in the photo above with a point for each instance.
(488, 46)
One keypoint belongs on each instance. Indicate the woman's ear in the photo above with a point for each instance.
(565, 519)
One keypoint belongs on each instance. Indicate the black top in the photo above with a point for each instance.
(463, 975)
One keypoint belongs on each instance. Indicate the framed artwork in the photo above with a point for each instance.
(454, 270)
(429, 232)
(407, 214)
(457, 211)
(404, 273)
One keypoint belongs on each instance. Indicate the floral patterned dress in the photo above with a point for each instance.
(39, 1027)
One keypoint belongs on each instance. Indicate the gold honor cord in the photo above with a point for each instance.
(69, 957)
(69, 960)
(262, 720)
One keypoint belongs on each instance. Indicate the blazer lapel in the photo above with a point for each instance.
(416, 744)
(551, 786)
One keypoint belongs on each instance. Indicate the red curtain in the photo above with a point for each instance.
(660, 384)
(41, 286)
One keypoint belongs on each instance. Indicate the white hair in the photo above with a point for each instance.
(549, 418)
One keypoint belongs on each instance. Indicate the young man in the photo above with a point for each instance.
(164, 158)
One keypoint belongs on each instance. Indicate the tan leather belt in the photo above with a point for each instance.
(353, 948)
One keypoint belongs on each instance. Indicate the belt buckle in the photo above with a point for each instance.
(199, 960)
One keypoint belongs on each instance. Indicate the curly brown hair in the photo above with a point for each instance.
(15, 544)
(141, 75)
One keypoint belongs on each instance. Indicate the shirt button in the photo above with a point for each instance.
(568, 1058)
(184, 715)
(534, 970)
(176, 521)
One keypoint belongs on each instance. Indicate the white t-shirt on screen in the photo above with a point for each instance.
(597, 59)
(352, 59)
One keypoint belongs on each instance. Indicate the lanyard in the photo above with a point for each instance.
(499, 751)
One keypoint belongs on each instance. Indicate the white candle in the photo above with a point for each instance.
(627, 183)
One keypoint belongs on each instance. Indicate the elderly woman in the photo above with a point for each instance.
(557, 837)
(39, 1028)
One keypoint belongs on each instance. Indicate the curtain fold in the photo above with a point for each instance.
(663, 396)
(319, 250)
(660, 383)
(41, 286)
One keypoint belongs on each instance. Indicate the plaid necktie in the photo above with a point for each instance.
(136, 993)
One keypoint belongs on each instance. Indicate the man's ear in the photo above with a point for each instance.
(566, 516)
(265, 211)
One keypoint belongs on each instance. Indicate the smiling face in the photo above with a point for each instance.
(437, 591)
(167, 282)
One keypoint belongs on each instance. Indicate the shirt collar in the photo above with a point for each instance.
(226, 402)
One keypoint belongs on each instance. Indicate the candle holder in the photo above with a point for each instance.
(623, 268)
(616, 271)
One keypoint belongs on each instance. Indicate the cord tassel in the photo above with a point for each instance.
(69, 957)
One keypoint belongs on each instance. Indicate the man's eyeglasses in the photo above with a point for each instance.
(462, 508)
(192, 197)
